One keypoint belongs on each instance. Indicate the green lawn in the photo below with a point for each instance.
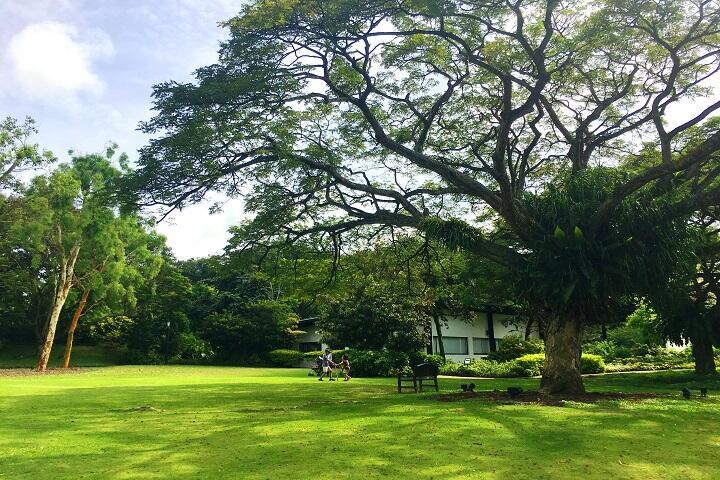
(241, 423)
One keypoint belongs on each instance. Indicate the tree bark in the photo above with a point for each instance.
(528, 328)
(438, 330)
(702, 350)
(73, 326)
(67, 270)
(561, 374)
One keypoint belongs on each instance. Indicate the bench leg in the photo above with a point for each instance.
(399, 385)
(437, 388)
(415, 385)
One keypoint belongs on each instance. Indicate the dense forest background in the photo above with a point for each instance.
(76, 259)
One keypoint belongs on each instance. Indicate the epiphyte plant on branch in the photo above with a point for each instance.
(333, 116)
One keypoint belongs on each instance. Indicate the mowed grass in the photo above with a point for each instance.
(189, 422)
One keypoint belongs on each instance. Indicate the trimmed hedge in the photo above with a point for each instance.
(590, 363)
(285, 358)
(383, 363)
(525, 366)
(532, 365)
(480, 368)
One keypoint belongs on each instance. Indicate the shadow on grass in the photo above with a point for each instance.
(255, 430)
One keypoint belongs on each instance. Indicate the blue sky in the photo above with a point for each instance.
(85, 69)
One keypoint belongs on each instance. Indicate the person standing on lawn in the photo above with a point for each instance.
(327, 365)
(345, 365)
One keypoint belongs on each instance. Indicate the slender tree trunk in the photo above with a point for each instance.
(603, 331)
(528, 328)
(561, 374)
(65, 282)
(702, 350)
(73, 326)
(438, 330)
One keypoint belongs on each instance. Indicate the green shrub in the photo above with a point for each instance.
(311, 356)
(636, 337)
(530, 365)
(480, 368)
(605, 348)
(369, 363)
(514, 346)
(377, 363)
(417, 358)
(285, 358)
(191, 347)
(662, 359)
(526, 366)
(590, 363)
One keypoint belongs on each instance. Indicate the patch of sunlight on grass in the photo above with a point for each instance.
(189, 422)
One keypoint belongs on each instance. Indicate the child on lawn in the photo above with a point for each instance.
(345, 365)
(327, 365)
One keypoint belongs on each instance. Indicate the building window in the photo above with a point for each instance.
(498, 341)
(309, 347)
(481, 346)
(453, 345)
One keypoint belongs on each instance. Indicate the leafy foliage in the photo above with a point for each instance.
(250, 330)
(17, 154)
(513, 346)
(373, 319)
(285, 358)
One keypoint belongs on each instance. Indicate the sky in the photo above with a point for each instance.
(84, 69)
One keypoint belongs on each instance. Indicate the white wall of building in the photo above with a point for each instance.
(452, 327)
(504, 326)
(460, 327)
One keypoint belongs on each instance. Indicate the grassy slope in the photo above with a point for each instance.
(216, 422)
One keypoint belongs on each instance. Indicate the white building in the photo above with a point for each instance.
(462, 337)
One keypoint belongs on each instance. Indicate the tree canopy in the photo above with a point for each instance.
(451, 117)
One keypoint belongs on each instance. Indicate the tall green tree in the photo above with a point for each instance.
(70, 232)
(110, 269)
(340, 115)
(160, 316)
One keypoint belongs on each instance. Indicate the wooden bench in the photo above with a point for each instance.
(425, 372)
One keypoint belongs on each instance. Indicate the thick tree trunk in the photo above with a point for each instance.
(73, 326)
(66, 280)
(561, 374)
(438, 330)
(702, 351)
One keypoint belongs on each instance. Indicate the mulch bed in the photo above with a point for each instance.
(29, 372)
(533, 396)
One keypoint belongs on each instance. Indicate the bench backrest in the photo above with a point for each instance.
(425, 370)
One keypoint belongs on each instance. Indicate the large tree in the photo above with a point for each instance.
(688, 301)
(70, 233)
(481, 123)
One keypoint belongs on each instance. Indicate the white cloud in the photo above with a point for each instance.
(52, 61)
(193, 232)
